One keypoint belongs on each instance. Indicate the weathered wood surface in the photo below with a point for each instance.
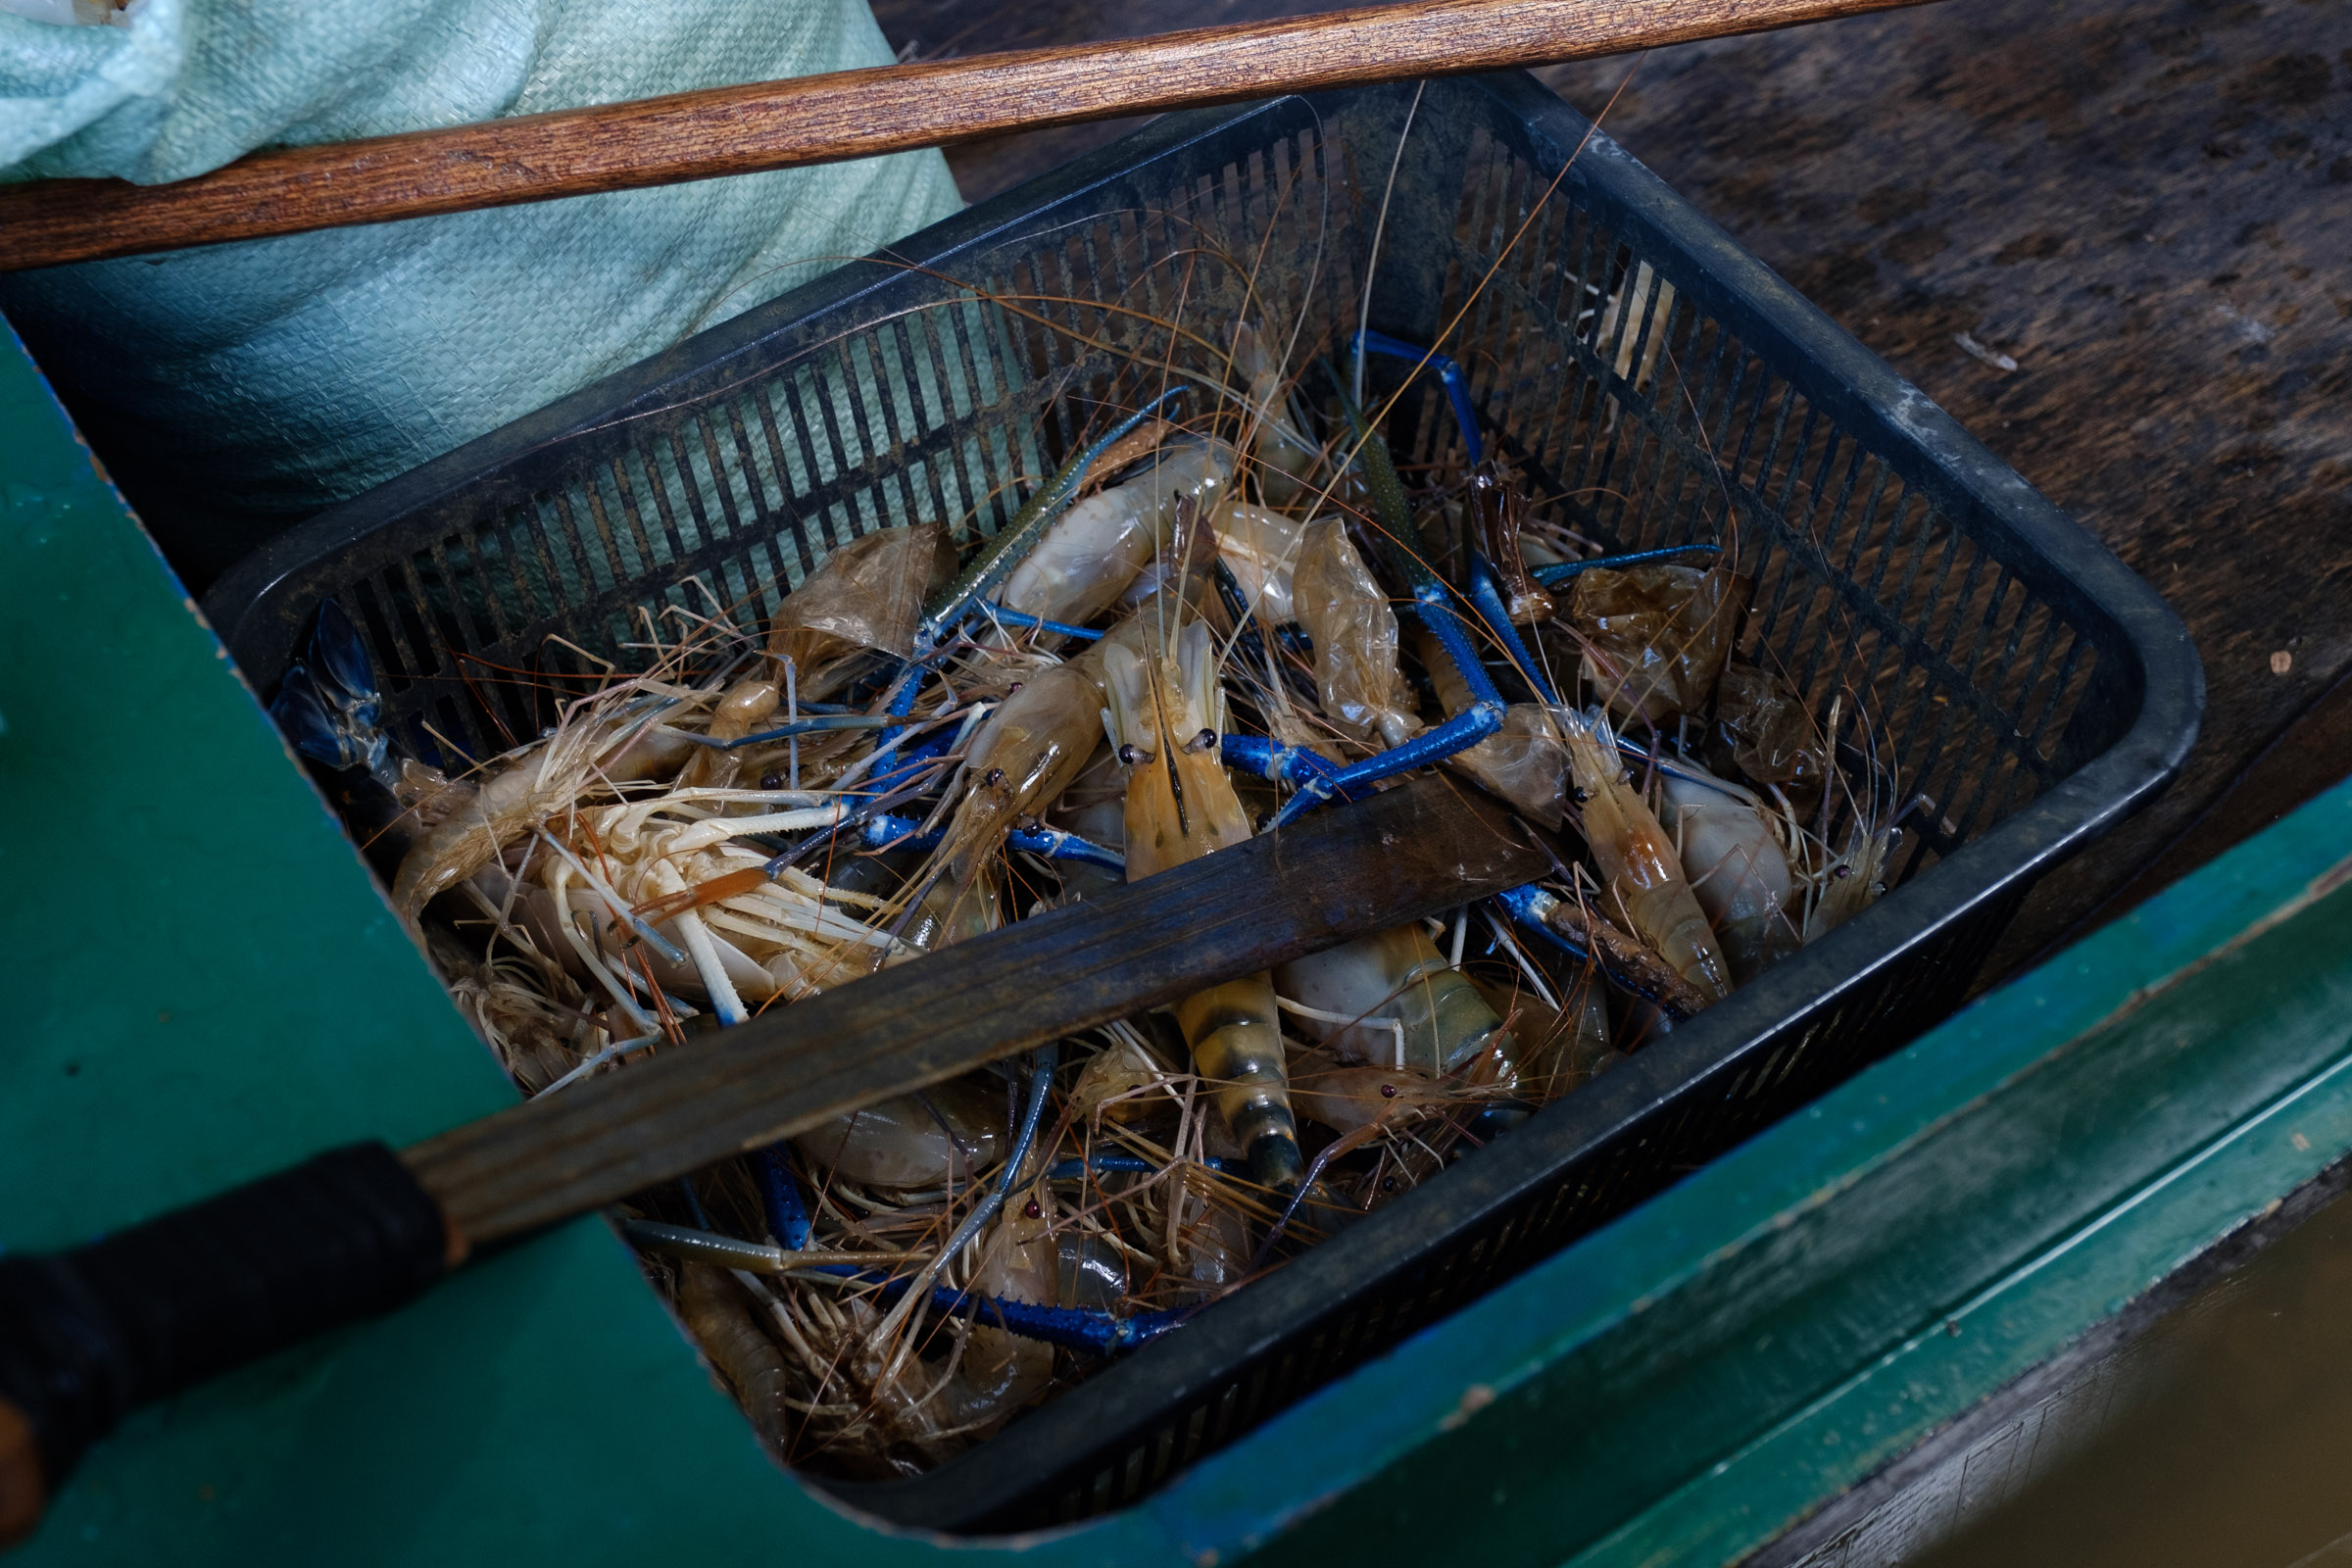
(2147, 203)
(847, 113)
(1407, 852)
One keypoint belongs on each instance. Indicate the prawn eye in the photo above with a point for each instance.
(1015, 687)
(1388, 1183)
(1841, 873)
(1031, 1210)
(771, 781)
(1582, 795)
(1131, 753)
(1201, 742)
(1388, 1090)
(996, 776)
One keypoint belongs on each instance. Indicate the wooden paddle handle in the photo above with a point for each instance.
(847, 113)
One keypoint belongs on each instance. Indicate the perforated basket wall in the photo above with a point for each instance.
(1652, 382)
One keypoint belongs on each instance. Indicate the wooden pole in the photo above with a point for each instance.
(1406, 853)
(848, 114)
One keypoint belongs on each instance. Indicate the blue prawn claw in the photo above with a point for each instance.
(329, 704)
(1449, 374)
(337, 653)
(1560, 571)
(1432, 602)
(886, 832)
(1484, 587)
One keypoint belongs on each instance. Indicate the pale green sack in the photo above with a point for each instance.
(237, 388)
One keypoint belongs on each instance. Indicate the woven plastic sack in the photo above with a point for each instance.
(237, 388)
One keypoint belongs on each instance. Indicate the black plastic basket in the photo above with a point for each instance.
(2027, 682)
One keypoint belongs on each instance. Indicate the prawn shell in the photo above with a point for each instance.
(1734, 862)
(1559, 1051)
(1524, 764)
(1096, 548)
(715, 1312)
(1121, 1083)
(1029, 751)
(1348, 617)
(1237, 1045)
(1772, 736)
(1286, 460)
(1398, 975)
(1086, 559)
(1349, 1100)
(1640, 867)
(1002, 1372)
(867, 594)
(901, 1142)
(1657, 636)
(1261, 548)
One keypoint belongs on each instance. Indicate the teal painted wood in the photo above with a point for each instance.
(196, 942)
(206, 987)
(1686, 1383)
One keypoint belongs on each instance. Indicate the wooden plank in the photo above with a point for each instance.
(842, 115)
(1340, 873)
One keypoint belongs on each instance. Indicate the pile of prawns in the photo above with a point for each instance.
(1188, 634)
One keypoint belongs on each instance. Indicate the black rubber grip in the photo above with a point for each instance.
(90, 1335)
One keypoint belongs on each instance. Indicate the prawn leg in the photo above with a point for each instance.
(1450, 375)
(1294, 765)
(1486, 588)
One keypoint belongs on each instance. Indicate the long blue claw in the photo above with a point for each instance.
(1465, 730)
(1485, 597)
(1486, 593)
(1015, 618)
(1294, 765)
(337, 653)
(1075, 1327)
(1008, 550)
(1559, 571)
(780, 1196)
(1457, 385)
(1070, 1327)
(905, 833)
